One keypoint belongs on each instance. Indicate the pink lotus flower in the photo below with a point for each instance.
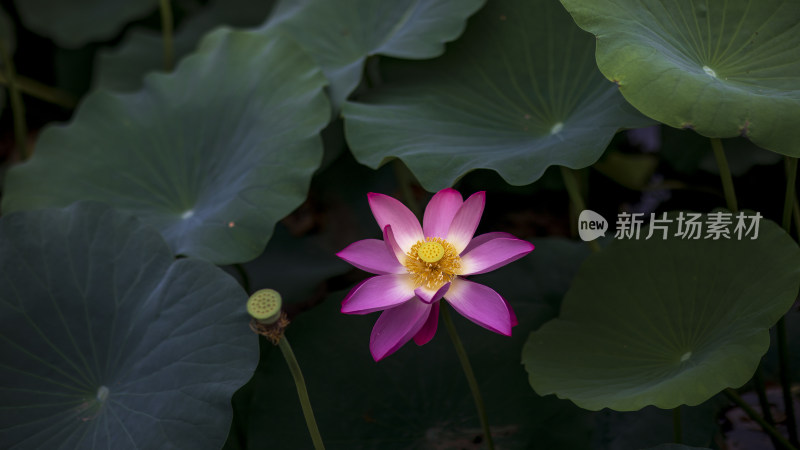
(419, 266)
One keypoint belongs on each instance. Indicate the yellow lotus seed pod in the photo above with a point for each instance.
(265, 305)
(431, 252)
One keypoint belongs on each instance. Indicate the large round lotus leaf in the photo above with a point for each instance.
(665, 322)
(722, 68)
(212, 155)
(341, 34)
(517, 93)
(72, 24)
(417, 398)
(141, 50)
(108, 342)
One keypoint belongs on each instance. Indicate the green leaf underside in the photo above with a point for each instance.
(212, 155)
(92, 298)
(722, 68)
(341, 35)
(519, 92)
(418, 397)
(73, 24)
(665, 322)
(141, 51)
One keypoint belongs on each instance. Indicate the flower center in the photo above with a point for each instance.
(430, 251)
(432, 263)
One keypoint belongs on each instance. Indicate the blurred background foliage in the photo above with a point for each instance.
(284, 114)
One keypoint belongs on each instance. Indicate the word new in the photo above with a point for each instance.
(591, 225)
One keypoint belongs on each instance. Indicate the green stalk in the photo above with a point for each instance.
(166, 30)
(404, 180)
(783, 347)
(473, 383)
(41, 91)
(761, 391)
(676, 425)
(730, 199)
(769, 429)
(302, 392)
(725, 175)
(571, 183)
(763, 402)
(789, 199)
(17, 107)
(786, 382)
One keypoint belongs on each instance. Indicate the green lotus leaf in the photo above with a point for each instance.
(341, 35)
(73, 24)
(141, 50)
(722, 68)
(108, 341)
(512, 95)
(417, 398)
(666, 322)
(211, 155)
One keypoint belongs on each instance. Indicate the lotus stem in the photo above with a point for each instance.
(676, 425)
(571, 183)
(270, 321)
(166, 31)
(783, 347)
(41, 91)
(473, 383)
(789, 199)
(302, 392)
(769, 429)
(763, 402)
(786, 382)
(725, 175)
(17, 107)
(404, 179)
